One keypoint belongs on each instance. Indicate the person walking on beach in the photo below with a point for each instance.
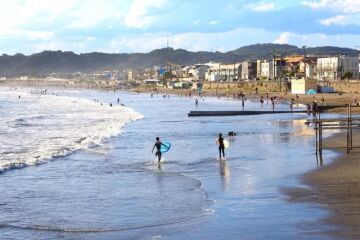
(308, 108)
(314, 107)
(220, 142)
(157, 145)
(261, 101)
(196, 102)
(292, 102)
(272, 102)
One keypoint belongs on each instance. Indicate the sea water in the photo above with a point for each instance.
(73, 167)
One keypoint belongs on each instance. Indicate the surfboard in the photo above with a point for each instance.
(165, 147)
(226, 143)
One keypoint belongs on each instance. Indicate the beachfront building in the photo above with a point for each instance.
(258, 67)
(273, 69)
(292, 65)
(331, 68)
(248, 70)
(267, 70)
(310, 70)
(197, 71)
(223, 72)
(279, 65)
(302, 85)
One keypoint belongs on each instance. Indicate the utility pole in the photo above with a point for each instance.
(274, 68)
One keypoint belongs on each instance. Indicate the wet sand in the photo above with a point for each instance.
(336, 187)
(329, 98)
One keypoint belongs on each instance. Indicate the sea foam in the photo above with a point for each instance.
(37, 128)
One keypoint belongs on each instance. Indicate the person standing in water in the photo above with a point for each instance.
(157, 145)
(220, 142)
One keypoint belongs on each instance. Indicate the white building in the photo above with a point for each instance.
(259, 67)
(223, 72)
(310, 71)
(267, 69)
(198, 72)
(331, 68)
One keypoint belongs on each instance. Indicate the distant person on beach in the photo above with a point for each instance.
(157, 145)
(196, 102)
(110, 104)
(231, 135)
(292, 102)
(243, 102)
(152, 95)
(261, 101)
(272, 102)
(308, 108)
(314, 108)
(19, 96)
(220, 142)
(356, 102)
(118, 100)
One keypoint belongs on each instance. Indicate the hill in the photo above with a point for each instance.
(68, 62)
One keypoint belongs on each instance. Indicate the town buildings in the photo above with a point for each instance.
(288, 67)
(331, 68)
(248, 70)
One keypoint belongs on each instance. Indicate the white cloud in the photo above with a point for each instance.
(283, 38)
(194, 41)
(337, 20)
(318, 39)
(261, 6)
(345, 6)
(213, 22)
(138, 15)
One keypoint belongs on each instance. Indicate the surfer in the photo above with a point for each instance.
(157, 145)
(220, 142)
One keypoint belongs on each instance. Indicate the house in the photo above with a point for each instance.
(331, 68)
(292, 64)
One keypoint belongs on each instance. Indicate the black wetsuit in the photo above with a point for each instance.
(221, 147)
(158, 153)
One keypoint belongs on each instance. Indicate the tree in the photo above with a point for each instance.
(347, 75)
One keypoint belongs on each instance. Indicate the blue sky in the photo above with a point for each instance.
(117, 26)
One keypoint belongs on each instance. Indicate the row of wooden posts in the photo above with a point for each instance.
(322, 124)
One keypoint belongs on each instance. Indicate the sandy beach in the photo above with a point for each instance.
(336, 187)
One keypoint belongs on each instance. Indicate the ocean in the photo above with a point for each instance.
(74, 167)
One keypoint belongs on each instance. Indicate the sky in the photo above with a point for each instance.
(127, 26)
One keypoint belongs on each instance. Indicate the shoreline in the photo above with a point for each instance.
(336, 187)
(329, 98)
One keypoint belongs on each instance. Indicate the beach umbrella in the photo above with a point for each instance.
(311, 92)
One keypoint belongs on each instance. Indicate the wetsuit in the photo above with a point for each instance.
(221, 147)
(158, 153)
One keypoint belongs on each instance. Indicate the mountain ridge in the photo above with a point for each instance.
(66, 62)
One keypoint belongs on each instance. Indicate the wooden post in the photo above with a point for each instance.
(351, 135)
(348, 132)
(320, 138)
